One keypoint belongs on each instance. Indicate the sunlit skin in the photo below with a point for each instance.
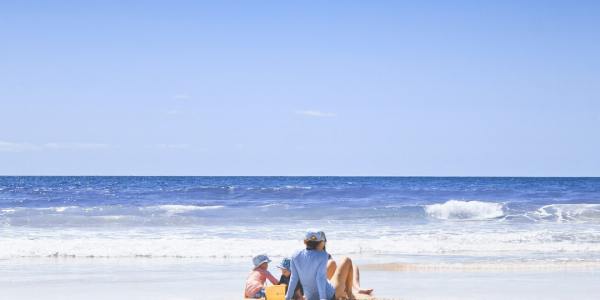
(332, 266)
(342, 278)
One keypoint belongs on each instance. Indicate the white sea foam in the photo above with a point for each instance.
(62, 208)
(104, 215)
(172, 209)
(282, 188)
(111, 218)
(465, 210)
(569, 213)
(571, 242)
(276, 205)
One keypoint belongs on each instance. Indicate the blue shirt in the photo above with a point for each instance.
(310, 267)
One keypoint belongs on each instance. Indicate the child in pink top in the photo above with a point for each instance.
(255, 284)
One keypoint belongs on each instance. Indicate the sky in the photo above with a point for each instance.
(356, 88)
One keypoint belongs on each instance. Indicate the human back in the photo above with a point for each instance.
(310, 266)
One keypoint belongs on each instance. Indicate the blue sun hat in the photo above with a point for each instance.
(314, 235)
(285, 264)
(260, 259)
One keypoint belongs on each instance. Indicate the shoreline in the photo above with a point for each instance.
(185, 279)
(506, 266)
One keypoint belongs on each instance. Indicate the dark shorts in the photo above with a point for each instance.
(259, 294)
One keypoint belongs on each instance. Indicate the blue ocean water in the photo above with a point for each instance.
(553, 218)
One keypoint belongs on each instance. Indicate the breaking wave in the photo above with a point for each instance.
(465, 210)
(233, 243)
(172, 209)
(568, 213)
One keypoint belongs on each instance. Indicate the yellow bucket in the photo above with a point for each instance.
(275, 292)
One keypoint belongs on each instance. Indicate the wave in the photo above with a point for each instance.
(568, 213)
(168, 208)
(60, 209)
(229, 243)
(172, 209)
(280, 188)
(465, 210)
(249, 213)
(113, 215)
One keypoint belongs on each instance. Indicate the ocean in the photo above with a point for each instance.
(400, 219)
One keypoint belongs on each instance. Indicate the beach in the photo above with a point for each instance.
(194, 237)
(161, 150)
(194, 280)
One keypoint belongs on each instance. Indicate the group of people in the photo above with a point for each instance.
(310, 274)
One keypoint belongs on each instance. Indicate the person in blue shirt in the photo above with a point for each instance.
(309, 266)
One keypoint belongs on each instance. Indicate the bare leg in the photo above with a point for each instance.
(331, 266)
(342, 280)
(298, 295)
(356, 283)
(356, 276)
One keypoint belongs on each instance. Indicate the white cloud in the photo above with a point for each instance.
(173, 146)
(181, 97)
(316, 113)
(75, 146)
(23, 147)
(17, 147)
(173, 111)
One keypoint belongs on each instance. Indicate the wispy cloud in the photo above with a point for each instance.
(179, 106)
(182, 96)
(75, 146)
(24, 147)
(17, 147)
(316, 113)
(173, 111)
(173, 146)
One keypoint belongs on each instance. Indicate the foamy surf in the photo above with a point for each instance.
(215, 242)
(172, 209)
(465, 210)
(568, 213)
(233, 218)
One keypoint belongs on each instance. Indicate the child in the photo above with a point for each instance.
(256, 279)
(285, 268)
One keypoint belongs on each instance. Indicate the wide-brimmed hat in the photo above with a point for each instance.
(260, 259)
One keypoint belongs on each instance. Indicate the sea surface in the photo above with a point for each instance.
(443, 219)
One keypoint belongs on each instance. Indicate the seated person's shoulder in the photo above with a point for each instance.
(324, 255)
(298, 253)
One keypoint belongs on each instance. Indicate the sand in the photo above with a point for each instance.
(188, 279)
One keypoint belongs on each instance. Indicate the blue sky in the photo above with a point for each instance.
(510, 88)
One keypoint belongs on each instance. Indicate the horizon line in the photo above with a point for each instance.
(340, 176)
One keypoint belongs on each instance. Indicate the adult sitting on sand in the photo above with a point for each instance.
(309, 266)
(332, 266)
